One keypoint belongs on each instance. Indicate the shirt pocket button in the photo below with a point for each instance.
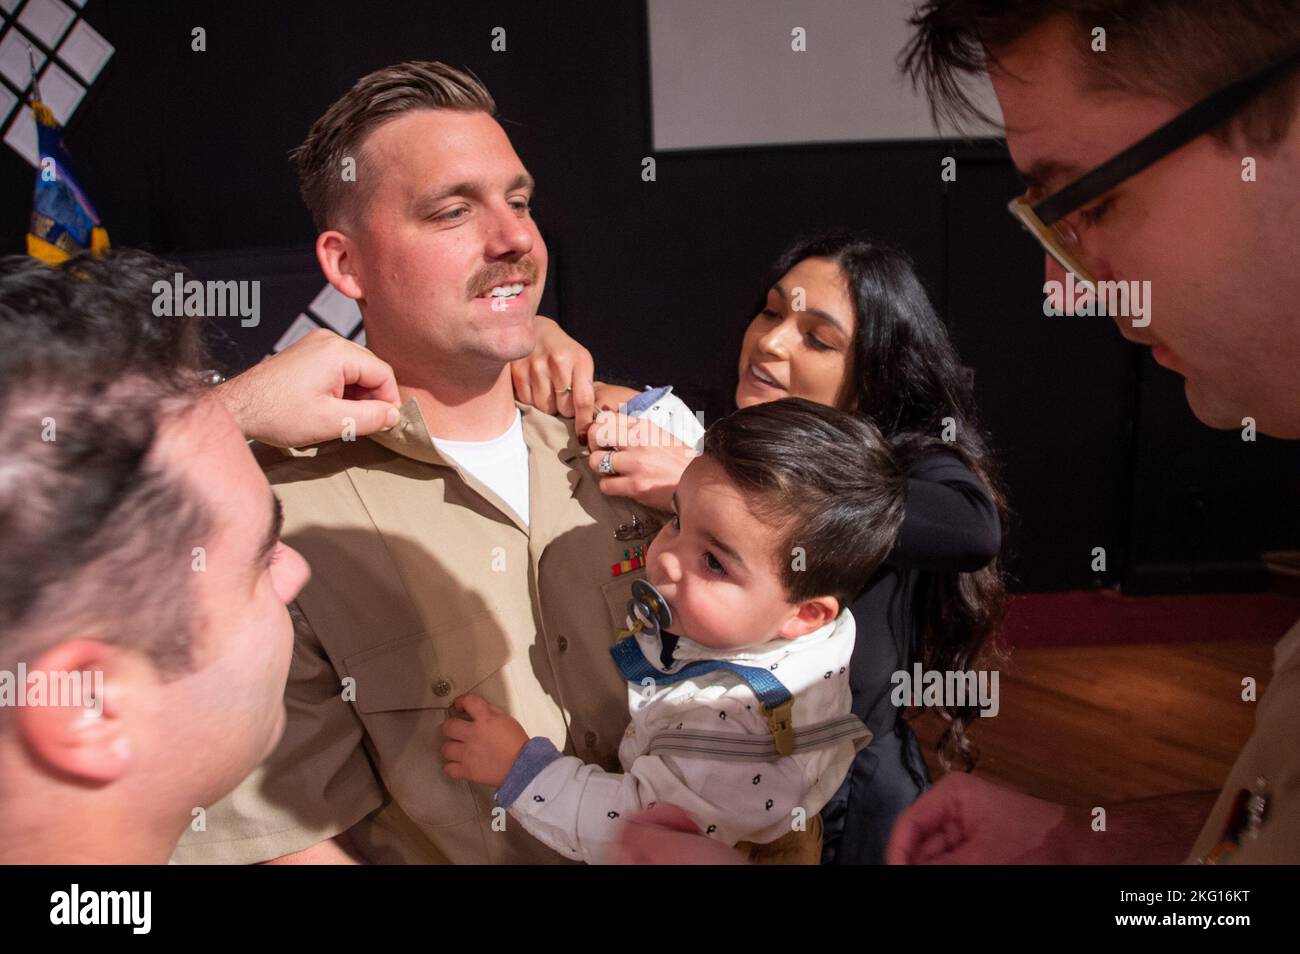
(441, 687)
(563, 644)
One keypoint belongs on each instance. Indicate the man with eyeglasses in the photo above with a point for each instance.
(1168, 152)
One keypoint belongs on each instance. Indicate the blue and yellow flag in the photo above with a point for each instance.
(63, 220)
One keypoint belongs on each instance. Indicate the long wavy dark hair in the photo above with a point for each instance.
(907, 381)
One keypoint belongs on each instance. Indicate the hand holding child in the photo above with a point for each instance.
(482, 746)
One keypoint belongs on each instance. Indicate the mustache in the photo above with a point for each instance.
(498, 273)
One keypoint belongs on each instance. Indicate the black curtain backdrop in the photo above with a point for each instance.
(185, 153)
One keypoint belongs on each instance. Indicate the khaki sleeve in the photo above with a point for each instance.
(318, 782)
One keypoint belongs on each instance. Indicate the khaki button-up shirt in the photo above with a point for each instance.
(426, 585)
(1271, 759)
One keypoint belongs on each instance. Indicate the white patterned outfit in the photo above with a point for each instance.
(703, 743)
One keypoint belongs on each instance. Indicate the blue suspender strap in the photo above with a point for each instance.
(631, 662)
(635, 668)
(775, 698)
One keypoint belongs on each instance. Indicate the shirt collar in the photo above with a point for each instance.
(410, 438)
(688, 650)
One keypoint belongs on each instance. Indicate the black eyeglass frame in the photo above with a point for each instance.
(1040, 217)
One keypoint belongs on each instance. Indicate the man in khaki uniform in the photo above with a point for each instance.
(480, 562)
(1269, 769)
(1203, 210)
(425, 585)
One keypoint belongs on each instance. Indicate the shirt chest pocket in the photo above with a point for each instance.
(403, 691)
(617, 593)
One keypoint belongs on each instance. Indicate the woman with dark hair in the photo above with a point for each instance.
(846, 322)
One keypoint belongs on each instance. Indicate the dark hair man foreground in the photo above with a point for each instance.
(143, 584)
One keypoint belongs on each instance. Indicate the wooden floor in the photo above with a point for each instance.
(1080, 725)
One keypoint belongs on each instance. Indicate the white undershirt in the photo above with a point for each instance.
(501, 463)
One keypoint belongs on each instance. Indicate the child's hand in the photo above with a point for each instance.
(483, 747)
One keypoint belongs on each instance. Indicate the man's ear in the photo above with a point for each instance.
(81, 730)
(338, 260)
(812, 615)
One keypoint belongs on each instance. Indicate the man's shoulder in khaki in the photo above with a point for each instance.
(424, 588)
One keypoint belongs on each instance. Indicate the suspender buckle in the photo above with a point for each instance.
(780, 722)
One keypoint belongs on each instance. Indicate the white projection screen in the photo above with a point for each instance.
(724, 73)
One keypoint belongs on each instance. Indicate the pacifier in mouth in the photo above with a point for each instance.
(648, 609)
